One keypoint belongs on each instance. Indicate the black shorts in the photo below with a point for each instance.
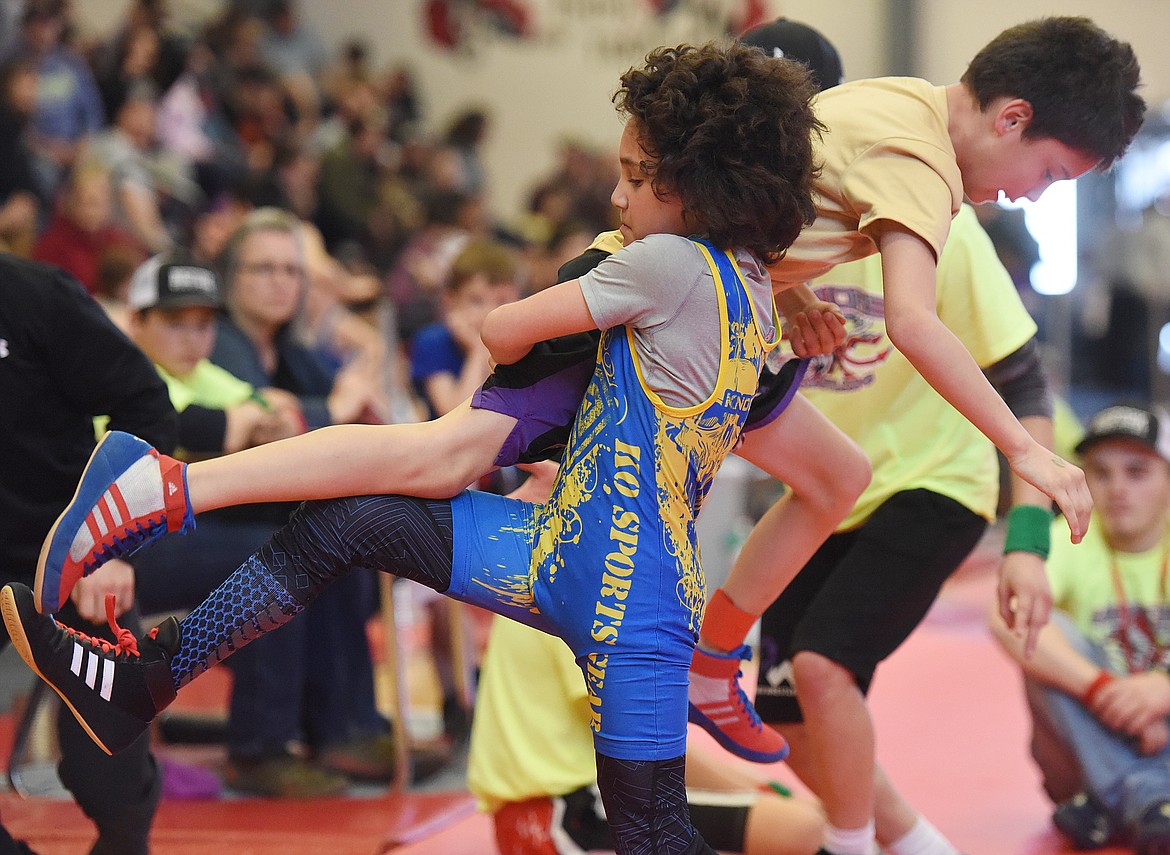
(863, 593)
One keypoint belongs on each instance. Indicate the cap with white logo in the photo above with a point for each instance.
(171, 282)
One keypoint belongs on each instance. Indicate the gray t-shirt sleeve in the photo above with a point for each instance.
(644, 284)
(662, 289)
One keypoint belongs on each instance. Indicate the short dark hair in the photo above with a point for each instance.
(729, 131)
(1080, 81)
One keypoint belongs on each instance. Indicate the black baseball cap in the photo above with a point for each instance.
(1149, 426)
(173, 282)
(793, 40)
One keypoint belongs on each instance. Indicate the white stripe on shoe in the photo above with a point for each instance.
(91, 660)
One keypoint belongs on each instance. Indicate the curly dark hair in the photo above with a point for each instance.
(729, 133)
(1080, 81)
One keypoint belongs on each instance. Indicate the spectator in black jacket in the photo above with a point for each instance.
(63, 362)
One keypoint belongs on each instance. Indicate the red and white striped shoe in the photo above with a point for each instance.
(129, 495)
(720, 706)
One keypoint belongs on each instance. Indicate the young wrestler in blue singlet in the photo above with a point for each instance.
(718, 144)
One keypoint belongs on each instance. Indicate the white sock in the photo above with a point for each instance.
(922, 839)
(850, 841)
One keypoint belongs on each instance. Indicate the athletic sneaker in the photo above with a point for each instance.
(129, 494)
(1152, 833)
(1084, 821)
(113, 689)
(720, 707)
(282, 776)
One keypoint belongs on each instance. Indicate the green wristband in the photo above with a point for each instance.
(1029, 529)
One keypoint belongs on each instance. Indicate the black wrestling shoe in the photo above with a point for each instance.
(1084, 821)
(1152, 833)
(113, 689)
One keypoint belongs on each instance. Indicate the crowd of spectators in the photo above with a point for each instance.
(154, 139)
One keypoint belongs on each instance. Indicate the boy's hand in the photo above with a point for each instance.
(1061, 481)
(1133, 702)
(277, 425)
(1153, 737)
(465, 323)
(538, 486)
(1024, 596)
(89, 595)
(242, 421)
(817, 329)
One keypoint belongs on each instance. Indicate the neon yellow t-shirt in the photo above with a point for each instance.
(913, 437)
(514, 755)
(1082, 586)
(208, 386)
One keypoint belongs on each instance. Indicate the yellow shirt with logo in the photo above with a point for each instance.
(1083, 587)
(208, 386)
(913, 437)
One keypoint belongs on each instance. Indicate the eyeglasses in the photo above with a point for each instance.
(268, 269)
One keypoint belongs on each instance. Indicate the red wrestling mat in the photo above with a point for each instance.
(953, 730)
(254, 826)
(952, 734)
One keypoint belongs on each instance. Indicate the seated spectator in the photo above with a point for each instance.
(450, 361)
(153, 189)
(282, 692)
(82, 227)
(68, 106)
(192, 122)
(173, 304)
(128, 64)
(1096, 682)
(19, 200)
(116, 266)
(350, 180)
(415, 283)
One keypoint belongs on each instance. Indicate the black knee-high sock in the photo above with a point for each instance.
(401, 535)
(646, 805)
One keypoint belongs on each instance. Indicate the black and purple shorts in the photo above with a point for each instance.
(544, 389)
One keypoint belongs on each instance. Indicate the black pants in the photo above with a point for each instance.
(120, 793)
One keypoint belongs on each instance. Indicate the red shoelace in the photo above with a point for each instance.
(126, 642)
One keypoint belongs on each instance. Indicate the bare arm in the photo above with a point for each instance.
(1054, 662)
(1023, 593)
(908, 269)
(510, 331)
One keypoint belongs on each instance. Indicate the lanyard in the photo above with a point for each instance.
(1133, 666)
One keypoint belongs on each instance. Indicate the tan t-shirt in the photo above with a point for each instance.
(885, 156)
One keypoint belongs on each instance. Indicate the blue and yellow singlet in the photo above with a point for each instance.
(613, 561)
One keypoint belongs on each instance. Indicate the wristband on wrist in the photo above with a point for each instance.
(1028, 530)
(1102, 679)
(777, 788)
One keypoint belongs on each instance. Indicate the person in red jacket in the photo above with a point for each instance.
(82, 229)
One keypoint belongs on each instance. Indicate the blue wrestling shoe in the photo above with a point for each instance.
(129, 494)
(114, 690)
(718, 704)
